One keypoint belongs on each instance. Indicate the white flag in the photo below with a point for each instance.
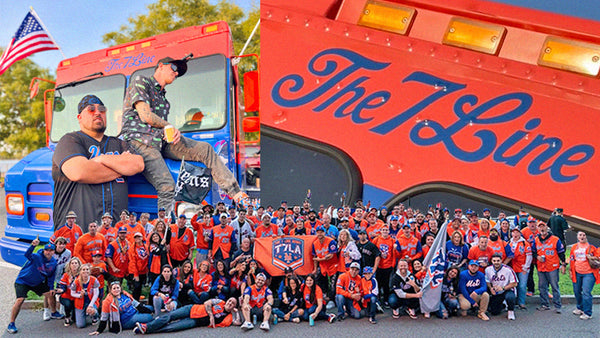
(435, 262)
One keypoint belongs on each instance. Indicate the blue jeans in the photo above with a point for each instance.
(158, 305)
(311, 310)
(138, 317)
(280, 314)
(450, 305)
(198, 299)
(551, 278)
(342, 302)
(397, 302)
(81, 316)
(582, 288)
(522, 287)
(176, 320)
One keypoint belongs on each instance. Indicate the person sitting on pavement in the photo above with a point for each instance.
(120, 311)
(473, 291)
(36, 275)
(449, 304)
(165, 291)
(258, 302)
(501, 281)
(212, 313)
(313, 301)
(404, 291)
(291, 306)
(202, 283)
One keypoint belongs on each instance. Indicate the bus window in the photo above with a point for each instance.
(198, 99)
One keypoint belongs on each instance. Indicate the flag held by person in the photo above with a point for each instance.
(435, 263)
(193, 183)
(277, 253)
(30, 38)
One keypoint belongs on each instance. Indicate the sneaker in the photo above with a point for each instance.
(543, 308)
(296, 320)
(94, 320)
(511, 315)
(411, 313)
(57, 315)
(330, 305)
(550, 296)
(395, 313)
(372, 320)
(386, 305)
(577, 312)
(558, 310)
(247, 326)
(585, 317)
(47, 315)
(379, 308)
(12, 328)
(340, 318)
(331, 318)
(68, 322)
(265, 326)
(522, 307)
(140, 328)
(483, 316)
(529, 294)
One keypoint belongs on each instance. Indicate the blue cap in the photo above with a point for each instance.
(474, 262)
(367, 269)
(182, 216)
(406, 226)
(394, 218)
(486, 209)
(320, 228)
(162, 209)
(123, 229)
(49, 246)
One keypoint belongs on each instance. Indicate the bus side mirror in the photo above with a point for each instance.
(251, 97)
(251, 124)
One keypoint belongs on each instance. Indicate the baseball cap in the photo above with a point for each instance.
(49, 246)
(362, 231)
(231, 207)
(473, 262)
(542, 223)
(355, 265)
(458, 210)
(123, 229)
(515, 229)
(180, 64)
(559, 209)
(531, 219)
(223, 215)
(125, 211)
(372, 213)
(406, 225)
(485, 209)
(182, 216)
(86, 101)
(344, 219)
(320, 228)
(394, 218)
(162, 209)
(98, 253)
(138, 234)
(367, 269)
(288, 270)
(107, 214)
(71, 214)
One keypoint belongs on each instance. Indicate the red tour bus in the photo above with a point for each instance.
(384, 100)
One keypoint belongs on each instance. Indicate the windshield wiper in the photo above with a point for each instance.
(80, 80)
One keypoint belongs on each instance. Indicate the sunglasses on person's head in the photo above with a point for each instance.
(92, 108)
(173, 67)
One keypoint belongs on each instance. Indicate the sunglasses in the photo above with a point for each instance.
(173, 67)
(91, 108)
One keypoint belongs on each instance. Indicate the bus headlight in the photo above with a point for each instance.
(14, 204)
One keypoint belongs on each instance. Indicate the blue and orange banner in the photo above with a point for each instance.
(277, 253)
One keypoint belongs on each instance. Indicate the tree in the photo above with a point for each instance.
(22, 125)
(168, 15)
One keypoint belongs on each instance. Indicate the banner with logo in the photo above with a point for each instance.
(435, 262)
(193, 183)
(277, 253)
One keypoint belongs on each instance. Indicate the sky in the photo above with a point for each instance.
(77, 26)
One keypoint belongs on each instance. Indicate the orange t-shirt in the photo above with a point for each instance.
(202, 230)
(482, 256)
(579, 253)
(87, 244)
(386, 248)
(180, 246)
(306, 293)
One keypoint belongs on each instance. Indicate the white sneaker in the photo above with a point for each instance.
(577, 312)
(330, 305)
(247, 326)
(585, 317)
(511, 315)
(47, 315)
(265, 326)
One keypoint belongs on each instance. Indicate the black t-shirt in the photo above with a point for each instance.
(369, 252)
(88, 201)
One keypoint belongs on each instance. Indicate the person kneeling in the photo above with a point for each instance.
(214, 313)
(473, 291)
(406, 292)
(348, 293)
(501, 281)
(258, 301)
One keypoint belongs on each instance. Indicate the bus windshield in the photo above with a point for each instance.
(109, 89)
(198, 99)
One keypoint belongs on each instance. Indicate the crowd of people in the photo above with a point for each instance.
(202, 271)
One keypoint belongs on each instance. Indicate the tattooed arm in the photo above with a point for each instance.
(147, 116)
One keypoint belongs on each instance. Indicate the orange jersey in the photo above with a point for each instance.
(498, 247)
(484, 257)
(180, 246)
(222, 240)
(87, 244)
(347, 286)
(131, 230)
(410, 247)
(321, 250)
(118, 251)
(202, 232)
(110, 233)
(202, 284)
(529, 235)
(386, 248)
(258, 297)
(373, 230)
(309, 225)
(521, 250)
(70, 234)
(362, 225)
(138, 259)
(270, 231)
(222, 318)
(548, 249)
(92, 283)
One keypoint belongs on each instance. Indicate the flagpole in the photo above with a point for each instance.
(46, 29)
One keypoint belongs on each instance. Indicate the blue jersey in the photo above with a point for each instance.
(37, 270)
(468, 284)
(456, 254)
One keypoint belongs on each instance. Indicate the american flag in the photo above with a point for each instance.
(29, 39)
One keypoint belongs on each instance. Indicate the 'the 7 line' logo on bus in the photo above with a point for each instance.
(354, 101)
